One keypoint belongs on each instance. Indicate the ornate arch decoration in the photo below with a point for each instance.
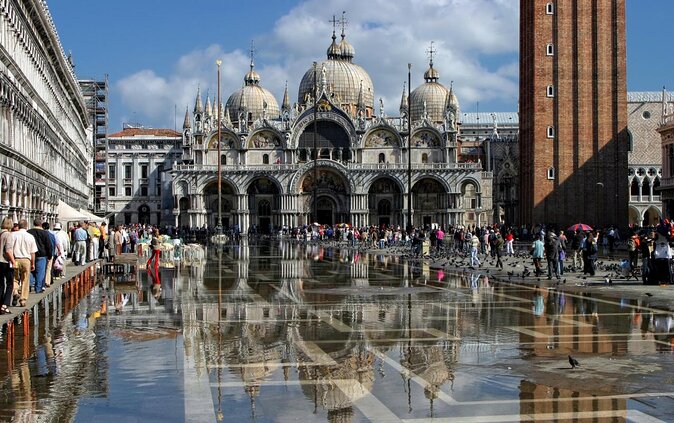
(332, 114)
(265, 138)
(5, 184)
(381, 136)
(257, 176)
(13, 185)
(427, 137)
(396, 181)
(294, 184)
(437, 178)
(230, 141)
(225, 181)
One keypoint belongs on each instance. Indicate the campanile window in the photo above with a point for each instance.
(549, 9)
(550, 92)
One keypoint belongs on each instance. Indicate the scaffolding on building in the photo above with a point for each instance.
(95, 93)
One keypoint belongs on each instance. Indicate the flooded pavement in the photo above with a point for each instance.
(287, 332)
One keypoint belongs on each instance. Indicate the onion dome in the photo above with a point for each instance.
(252, 99)
(431, 98)
(343, 77)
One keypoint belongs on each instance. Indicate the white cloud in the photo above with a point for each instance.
(477, 42)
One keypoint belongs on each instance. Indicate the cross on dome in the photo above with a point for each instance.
(431, 51)
(343, 22)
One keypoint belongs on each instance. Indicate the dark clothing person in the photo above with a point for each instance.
(552, 254)
(590, 256)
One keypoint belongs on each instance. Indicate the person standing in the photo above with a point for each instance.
(498, 249)
(562, 252)
(25, 249)
(119, 240)
(52, 257)
(509, 241)
(590, 252)
(552, 254)
(42, 256)
(80, 245)
(94, 237)
(7, 265)
(537, 249)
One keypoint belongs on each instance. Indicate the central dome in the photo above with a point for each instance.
(343, 77)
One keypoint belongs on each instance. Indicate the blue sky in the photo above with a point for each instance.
(156, 52)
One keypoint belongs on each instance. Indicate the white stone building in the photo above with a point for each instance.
(645, 114)
(360, 171)
(138, 188)
(46, 153)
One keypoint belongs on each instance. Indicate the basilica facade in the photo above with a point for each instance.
(331, 157)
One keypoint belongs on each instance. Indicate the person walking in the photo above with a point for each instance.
(562, 253)
(52, 257)
(42, 256)
(7, 265)
(498, 249)
(474, 245)
(64, 241)
(25, 249)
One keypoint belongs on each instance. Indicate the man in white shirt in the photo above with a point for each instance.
(25, 248)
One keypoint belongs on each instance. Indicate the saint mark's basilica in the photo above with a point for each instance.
(360, 154)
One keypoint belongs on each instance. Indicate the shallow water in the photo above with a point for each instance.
(287, 332)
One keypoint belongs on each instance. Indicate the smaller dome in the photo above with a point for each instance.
(431, 75)
(334, 51)
(347, 50)
(252, 77)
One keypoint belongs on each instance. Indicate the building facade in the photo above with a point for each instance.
(645, 114)
(138, 187)
(573, 112)
(46, 153)
(330, 158)
(667, 150)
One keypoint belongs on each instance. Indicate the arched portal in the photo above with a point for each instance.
(144, 214)
(652, 216)
(634, 216)
(331, 141)
(184, 205)
(429, 198)
(228, 204)
(385, 202)
(329, 185)
(263, 198)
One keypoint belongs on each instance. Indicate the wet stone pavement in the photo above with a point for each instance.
(286, 332)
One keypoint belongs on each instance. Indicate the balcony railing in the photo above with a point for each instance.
(644, 199)
(350, 166)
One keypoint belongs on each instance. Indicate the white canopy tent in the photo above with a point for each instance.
(69, 214)
(92, 217)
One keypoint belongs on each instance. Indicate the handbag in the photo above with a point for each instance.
(562, 255)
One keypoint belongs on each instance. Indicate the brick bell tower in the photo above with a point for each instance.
(573, 112)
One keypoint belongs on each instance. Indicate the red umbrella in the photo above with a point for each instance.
(579, 227)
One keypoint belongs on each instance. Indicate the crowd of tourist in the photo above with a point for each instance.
(31, 258)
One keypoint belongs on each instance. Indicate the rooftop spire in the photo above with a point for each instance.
(430, 52)
(186, 122)
(209, 108)
(334, 50)
(285, 105)
(198, 104)
(343, 22)
(403, 100)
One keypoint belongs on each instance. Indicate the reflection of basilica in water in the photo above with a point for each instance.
(361, 155)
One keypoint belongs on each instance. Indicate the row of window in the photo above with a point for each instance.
(128, 171)
(550, 90)
(128, 191)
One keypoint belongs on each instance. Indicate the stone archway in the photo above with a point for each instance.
(429, 199)
(263, 203)
(329, 185)
(651, 217)
(385, 202)
(229, 202)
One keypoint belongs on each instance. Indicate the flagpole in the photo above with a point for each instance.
(219, 225)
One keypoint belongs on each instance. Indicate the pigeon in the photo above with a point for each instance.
(648, 294)
(573, 362)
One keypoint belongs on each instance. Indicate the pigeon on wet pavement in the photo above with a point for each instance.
(573, 362)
